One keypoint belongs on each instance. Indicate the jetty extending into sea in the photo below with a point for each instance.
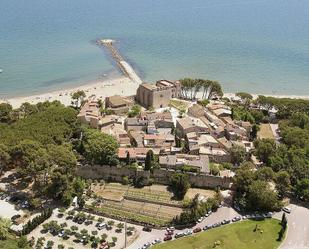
(124, 66)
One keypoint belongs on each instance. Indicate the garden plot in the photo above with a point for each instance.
(192, 192)
(109, 193)
(155, 214)
(155, 194)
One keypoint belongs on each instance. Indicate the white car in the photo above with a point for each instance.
(156, 241)
(101, 226)
(287, 210)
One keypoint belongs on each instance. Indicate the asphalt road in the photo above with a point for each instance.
(221, 214)
(298, 228)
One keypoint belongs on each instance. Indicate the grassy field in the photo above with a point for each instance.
(154, 193)
(235, 236)
(141, 211)
(265, 132)
(204, 192)
(10, 243)
(178, 104)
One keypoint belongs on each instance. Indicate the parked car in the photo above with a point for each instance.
(207, 227)
(218, 224)
(197, 230)
(88, 222)
(69, 217)
(224, 222)
(170, 232)
(147, 245)
(156, 241)
(8, 198)
(188, 232)
(167, 237)
(269, 215)
(179, 235)
(104, 245)
(101, 226)
(235, 219)
(147, 229)
(15, 217)
(61, 233)
(287, 210)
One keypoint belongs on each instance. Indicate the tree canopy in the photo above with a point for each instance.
(179, 183)
(37, 142)
(210, 88)
(99, 148)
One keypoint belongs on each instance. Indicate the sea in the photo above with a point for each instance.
(258, 46)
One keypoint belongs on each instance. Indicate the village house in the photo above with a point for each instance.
(216, 155)
(109, 120)
(162, 141)
(190, 124)
(225, 144)
(117, 131)
(90, 113)
(234, 132)
(208, 140)
(135, 154)
(136, 137)
(219, 109)
(159, 119)
(118, 104)
(198, 163)
(196, 111)
(139, 124)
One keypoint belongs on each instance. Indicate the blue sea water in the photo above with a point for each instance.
(260, 46)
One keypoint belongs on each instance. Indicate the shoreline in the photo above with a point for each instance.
(101, 88)
(118, 85)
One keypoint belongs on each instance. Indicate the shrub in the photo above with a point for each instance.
(125, 180)
(32, 224)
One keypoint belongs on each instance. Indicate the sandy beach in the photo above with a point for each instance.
(232, 95)
(101, 88)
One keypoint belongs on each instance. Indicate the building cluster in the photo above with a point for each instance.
(211, 131)
(204, 135)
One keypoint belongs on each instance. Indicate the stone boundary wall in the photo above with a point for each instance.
(159, 176)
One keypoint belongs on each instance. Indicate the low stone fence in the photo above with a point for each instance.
(159, 176)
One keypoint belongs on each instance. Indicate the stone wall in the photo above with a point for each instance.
(160, 176)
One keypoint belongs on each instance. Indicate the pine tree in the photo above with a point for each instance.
(149, 160)
(128, 159)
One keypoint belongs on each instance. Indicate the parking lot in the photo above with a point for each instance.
(92, 226)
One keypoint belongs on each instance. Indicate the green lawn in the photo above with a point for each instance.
(234, 236)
